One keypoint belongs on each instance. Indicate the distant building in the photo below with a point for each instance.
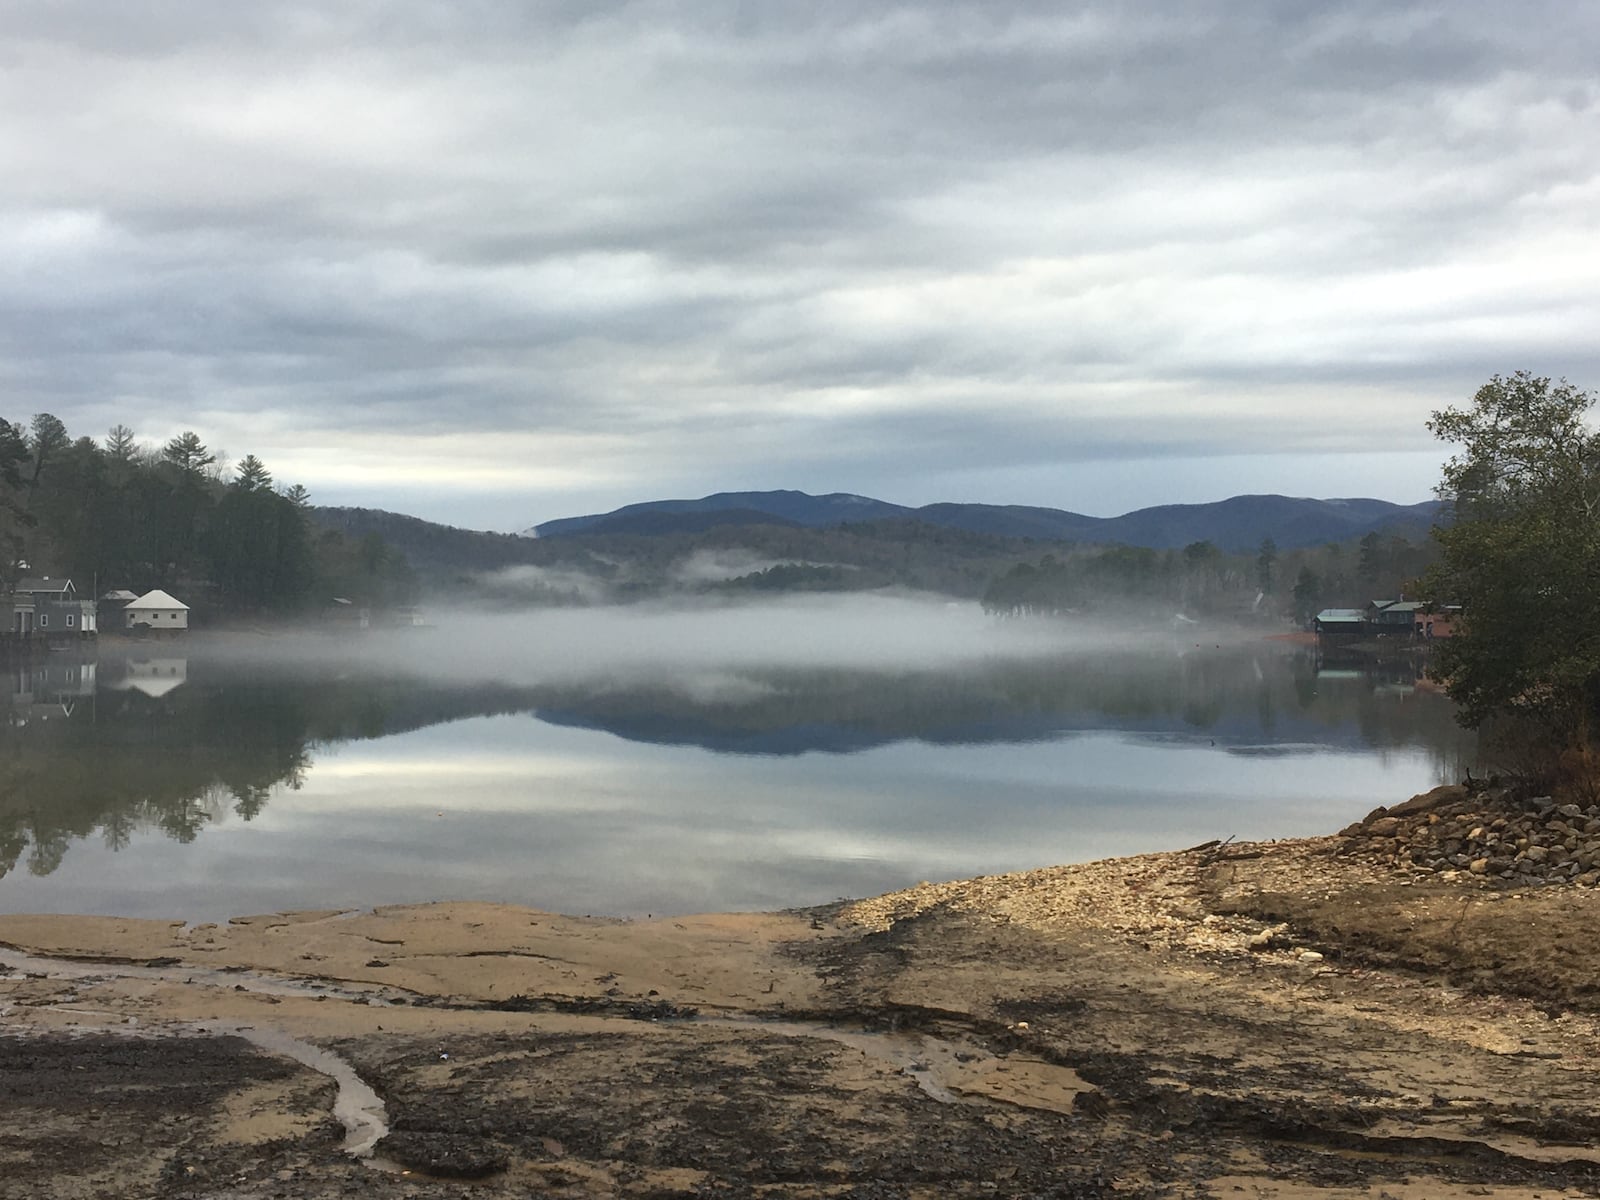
(1408, 619)
(1397, 617)
(49, 608)
(347, 614)
(158, 611)
(1340, 624)
(111, 605)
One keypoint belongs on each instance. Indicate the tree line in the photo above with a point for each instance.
(121, 513)
(1203, 580)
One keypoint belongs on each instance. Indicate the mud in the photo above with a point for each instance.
(1275, 1020)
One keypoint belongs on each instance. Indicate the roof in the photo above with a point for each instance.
(29, 584)
(157, 599)
(1397, 606)
(1342, 616)
(120, 594)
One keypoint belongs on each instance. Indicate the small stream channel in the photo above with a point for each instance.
(947, 1071)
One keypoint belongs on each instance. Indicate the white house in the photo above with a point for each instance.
(163, 613)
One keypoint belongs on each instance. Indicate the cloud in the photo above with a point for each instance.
(630, 246)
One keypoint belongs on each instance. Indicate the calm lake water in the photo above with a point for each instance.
(671, 762)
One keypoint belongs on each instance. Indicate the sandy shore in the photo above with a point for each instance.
(1286, 1019)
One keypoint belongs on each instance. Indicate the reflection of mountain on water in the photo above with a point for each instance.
(133, 744)
(1252, 703)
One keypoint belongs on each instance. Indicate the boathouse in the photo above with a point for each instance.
(158, 612)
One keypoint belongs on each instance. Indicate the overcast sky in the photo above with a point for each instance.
(494, 262)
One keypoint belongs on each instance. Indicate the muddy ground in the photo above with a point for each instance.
(1289, 1019)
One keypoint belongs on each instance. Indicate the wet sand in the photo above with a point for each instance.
(1286, 1019)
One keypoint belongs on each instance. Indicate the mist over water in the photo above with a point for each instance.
(656, 760)
(859, 633)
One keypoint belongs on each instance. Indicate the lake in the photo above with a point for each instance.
(628, 763)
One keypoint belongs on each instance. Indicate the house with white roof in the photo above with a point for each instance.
(160, 612)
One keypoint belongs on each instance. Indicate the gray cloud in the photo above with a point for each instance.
(628, 246)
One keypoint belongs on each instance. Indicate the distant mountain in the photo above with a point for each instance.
(648, 522)
(1236, 524)
(735, 508)
(432, 548)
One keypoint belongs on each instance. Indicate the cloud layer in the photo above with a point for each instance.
(499, 262)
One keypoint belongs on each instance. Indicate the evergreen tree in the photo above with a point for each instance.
(253, 475)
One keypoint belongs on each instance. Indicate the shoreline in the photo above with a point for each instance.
(1312, 1017)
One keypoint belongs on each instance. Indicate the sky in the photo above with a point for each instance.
(494, 262)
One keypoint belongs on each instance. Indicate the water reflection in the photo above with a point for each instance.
(812, 780)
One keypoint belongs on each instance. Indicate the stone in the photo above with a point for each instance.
(1479, 866)
(1447, 793)
(1383, 827)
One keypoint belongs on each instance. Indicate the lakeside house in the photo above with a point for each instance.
(157, 612)
(40, 607)
(1411, 620)
(111, 605)
(1402, 617)
(1340, 624)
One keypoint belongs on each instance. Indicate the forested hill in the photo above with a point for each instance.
(1237, 524)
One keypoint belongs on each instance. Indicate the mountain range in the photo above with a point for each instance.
(1239, 523)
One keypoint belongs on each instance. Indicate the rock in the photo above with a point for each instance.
(1570, 810)
(1310, 956)
(1447, 793)
(1383, 827)
(1536, 854)
(1479, 866)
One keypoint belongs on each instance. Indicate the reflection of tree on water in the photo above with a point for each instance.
(140, 751)
(175, 745)
(134, 745)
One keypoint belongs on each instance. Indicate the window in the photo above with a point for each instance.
(71, 620)
(44, 620)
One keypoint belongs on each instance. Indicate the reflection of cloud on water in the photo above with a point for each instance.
(1286, 750)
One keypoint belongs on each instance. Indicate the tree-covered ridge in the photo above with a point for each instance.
(1202, 580)
(120, 513)
(714, 562)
